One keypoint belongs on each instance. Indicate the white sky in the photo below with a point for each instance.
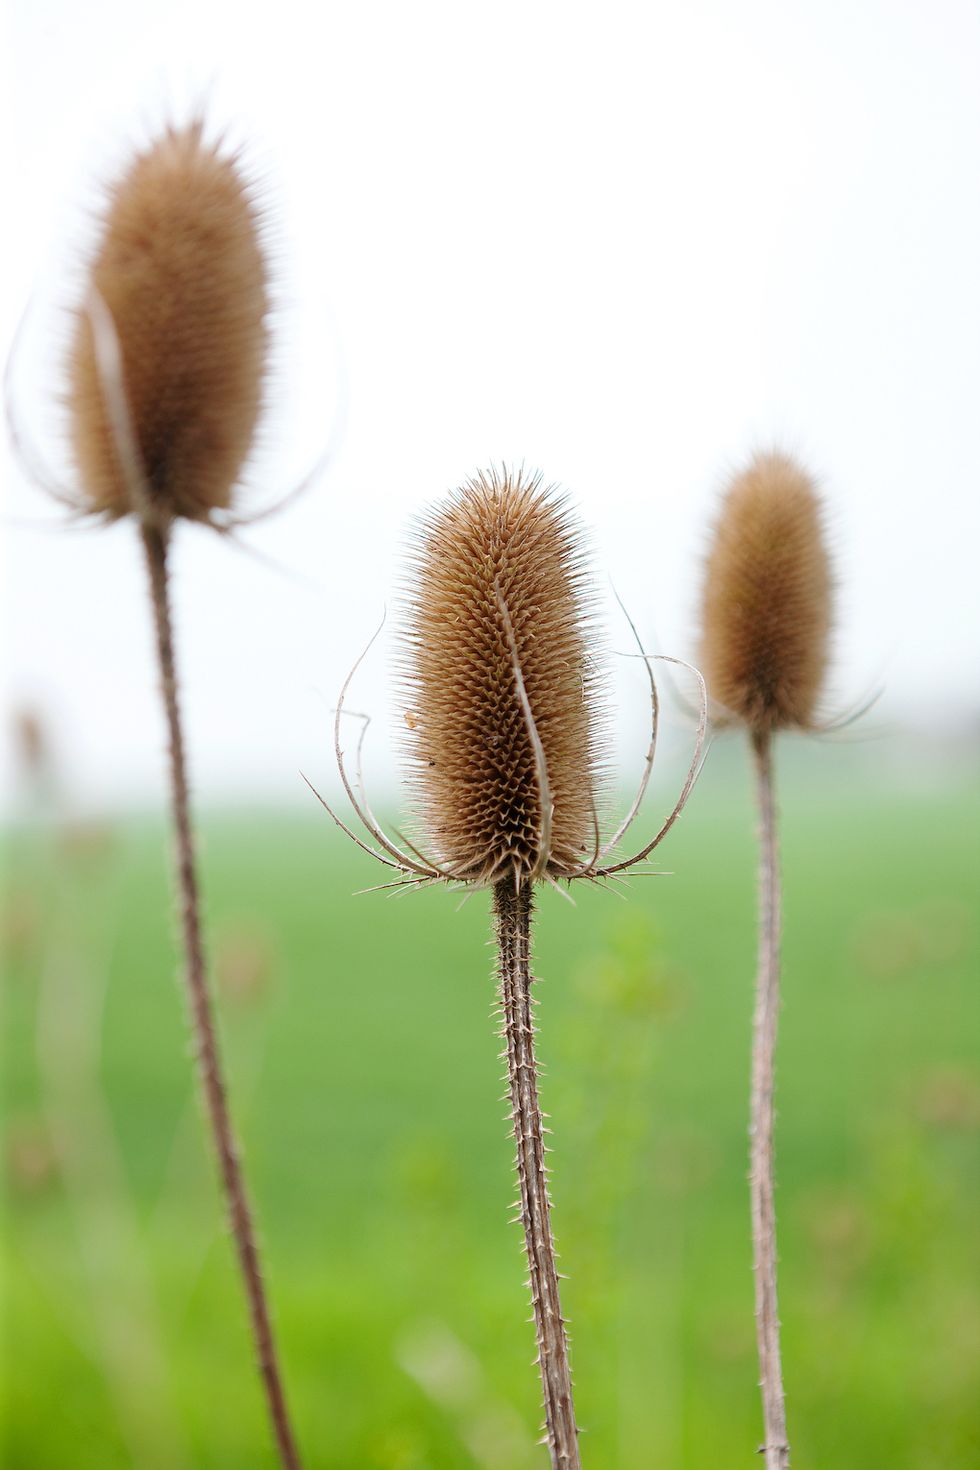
(623, 243)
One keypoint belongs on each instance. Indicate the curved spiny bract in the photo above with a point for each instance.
(500, 597)
(181, 272)
(767, 598)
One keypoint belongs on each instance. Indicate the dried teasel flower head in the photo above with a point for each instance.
(169, 353)
(502, 683)
(767, 598)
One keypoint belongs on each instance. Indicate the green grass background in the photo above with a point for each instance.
(366, 1085)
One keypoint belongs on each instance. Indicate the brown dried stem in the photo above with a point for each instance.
(155, 542)
(512, 911)
(762, 1167)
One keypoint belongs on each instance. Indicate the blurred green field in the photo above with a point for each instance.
(366, 1085)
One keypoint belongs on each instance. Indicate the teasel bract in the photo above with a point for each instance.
(766, 624)
(166, 376)
(502, 689)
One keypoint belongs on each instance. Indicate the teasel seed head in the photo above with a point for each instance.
(767, 598)
(502, 683)
(180, 280)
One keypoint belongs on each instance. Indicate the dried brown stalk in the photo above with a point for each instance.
(155, 543)
(502, 688)
(166, 376)
(512, 912)
(762, 1172)
(766, 615)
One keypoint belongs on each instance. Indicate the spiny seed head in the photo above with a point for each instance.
(181, 271)
(767, 598)
(502, 549)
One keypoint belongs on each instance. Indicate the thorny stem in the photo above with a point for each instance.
(155, 542)
(762, 1170)
(512, 911)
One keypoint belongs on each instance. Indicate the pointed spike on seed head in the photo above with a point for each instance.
(766, 611)
(181, 276)
(500, 594)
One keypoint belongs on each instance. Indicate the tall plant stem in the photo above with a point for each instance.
(762, 1166)
(512, 911)
(156, 542)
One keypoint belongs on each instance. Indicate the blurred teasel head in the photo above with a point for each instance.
(767, 598)
(502, 679)
(169, 353)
